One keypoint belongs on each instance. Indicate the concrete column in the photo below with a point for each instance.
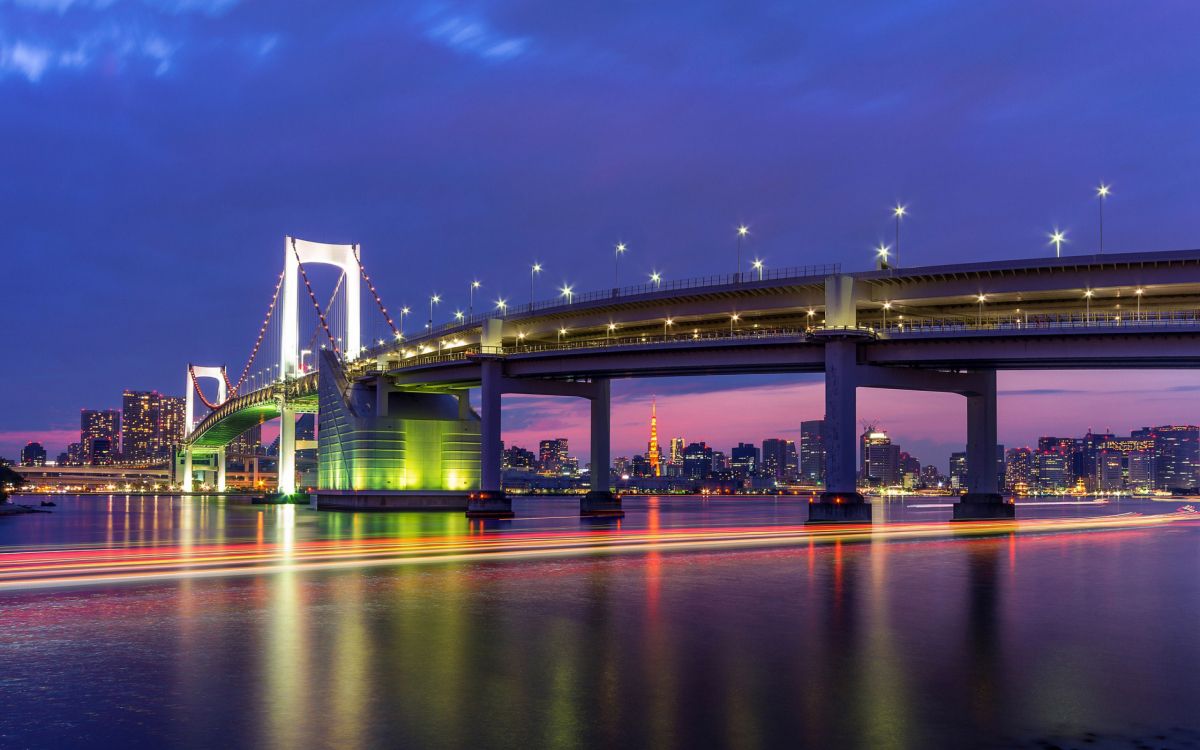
(840, 502)
(186, 481)
(601, 420)
(840, 310)
(983, 499)
(490, 424)
(601, 501)
(489, 501)
(221, 469)
(287, 452)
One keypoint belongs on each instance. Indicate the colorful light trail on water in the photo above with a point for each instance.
(81, 566)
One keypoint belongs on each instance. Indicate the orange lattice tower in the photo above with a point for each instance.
(653, 454)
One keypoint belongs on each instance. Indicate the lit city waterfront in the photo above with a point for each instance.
(478, 374)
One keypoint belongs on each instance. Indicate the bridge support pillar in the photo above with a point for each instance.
(221, 468)
(601, 501)
(983, 500)
(489, 501)
(287, 452)
(841, 501)
(186, 482)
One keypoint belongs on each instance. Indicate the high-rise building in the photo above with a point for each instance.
(139, 425)
(958, 469)
(1177, 456)
(677, 446)
(171, 430)
(1018, 470)
(744, 459)
(812, 452)
(1139, 470)
(640, 467)
(520, 459)
(697, 460)
(779, 459)
(880, 458)
(653, 454)
(33, 454)
(99, 435)
(553, 457)
(75, 454)
(1110, 470)
(1052, 470)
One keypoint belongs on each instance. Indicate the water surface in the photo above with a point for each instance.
(1078, 637)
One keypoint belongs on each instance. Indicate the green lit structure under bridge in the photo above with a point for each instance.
(381, 447)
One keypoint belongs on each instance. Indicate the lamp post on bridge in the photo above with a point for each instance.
(568, 291)
(471, 298)
(436, 298)
(1087, 316)
(981, 299)
(617, 253)
(403, 311)
(881, 255)
(533, 272)
(1138, 293)
(1057, 238)
(742, 231)
(899, 211)
(1102, 193)
(733, 319)
(656, 279)
(758, 266)
(502, 306)
(667, 327)
(886, 306)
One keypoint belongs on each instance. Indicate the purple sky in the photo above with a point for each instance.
(156, 152)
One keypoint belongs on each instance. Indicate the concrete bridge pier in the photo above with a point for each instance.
(489, 501)
(221, 469)
(982, 500)
(287, 451)
(841, 501)
(186, 482)
(600, 500)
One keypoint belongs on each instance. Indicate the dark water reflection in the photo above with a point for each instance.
(949, 642)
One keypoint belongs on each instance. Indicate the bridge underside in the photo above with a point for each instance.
(234, 425)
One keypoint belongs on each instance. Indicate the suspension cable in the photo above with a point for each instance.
(363, 271)
(312, 341)
(262, 331)
(200, 393)
(316, 305)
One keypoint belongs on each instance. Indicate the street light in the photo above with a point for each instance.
(1087, 296)
(666, 326)
(886, 306)
(471, 298)
(533, 272)
(609, 330)
(561, 332)
(733, 319)
(742, 231)
(981, 299)
(1057, 238)
(502, 306)
(899, 211)
(881, 253)
(656, 279)
(1139, 292)
(1102, 192)
(617, 253)
(758, 266)
(458, 315)
(403, 311)
(566, 290)
(433, 301)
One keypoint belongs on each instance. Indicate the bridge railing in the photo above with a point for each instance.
(792, 272)
(651, 339)
(1040, 321)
